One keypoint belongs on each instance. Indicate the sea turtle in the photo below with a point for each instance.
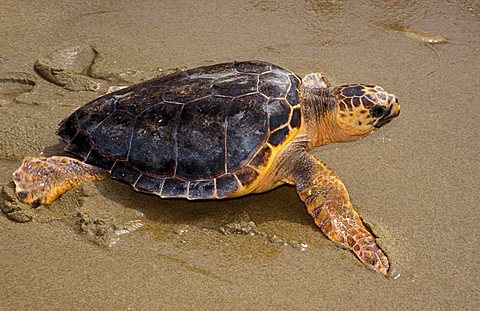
(221, 131)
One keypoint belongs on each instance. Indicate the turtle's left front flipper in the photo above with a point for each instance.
(328, 202)
(42, 180)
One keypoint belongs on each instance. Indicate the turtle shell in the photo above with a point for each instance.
(207, 132)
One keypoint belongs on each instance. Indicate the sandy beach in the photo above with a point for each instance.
(104, 246)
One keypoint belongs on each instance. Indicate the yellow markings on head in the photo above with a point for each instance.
(361, 108)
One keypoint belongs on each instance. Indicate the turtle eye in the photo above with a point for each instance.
(377, 111)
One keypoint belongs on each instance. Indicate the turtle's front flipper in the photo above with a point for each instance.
(328, 202)
(42, 180)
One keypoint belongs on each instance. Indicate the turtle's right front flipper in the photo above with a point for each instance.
(42, 180)
(328, 202)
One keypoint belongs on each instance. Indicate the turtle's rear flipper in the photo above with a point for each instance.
(42, 180)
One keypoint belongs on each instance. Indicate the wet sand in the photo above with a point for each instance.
(415, 182)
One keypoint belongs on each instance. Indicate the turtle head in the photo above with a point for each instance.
(360, 109)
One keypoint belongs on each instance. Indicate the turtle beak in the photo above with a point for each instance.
(392, 112)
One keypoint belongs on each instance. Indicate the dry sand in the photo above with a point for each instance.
(415, 182)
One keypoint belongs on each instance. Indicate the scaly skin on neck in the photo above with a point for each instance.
(319, 111)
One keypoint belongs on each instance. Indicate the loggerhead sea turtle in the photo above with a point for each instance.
(217, 132)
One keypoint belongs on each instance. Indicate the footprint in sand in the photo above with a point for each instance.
(12, 87)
